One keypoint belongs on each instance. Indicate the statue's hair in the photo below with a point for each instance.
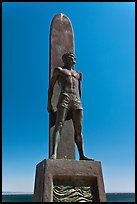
(64, 57)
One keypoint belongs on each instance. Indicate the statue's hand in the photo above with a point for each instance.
(50, 108)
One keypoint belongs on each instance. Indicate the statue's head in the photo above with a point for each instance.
(69, 58)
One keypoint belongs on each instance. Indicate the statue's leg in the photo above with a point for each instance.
(77, 121)
(61, 115)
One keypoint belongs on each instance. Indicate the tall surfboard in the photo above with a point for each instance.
(61, 42)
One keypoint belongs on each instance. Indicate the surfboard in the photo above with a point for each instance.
(61, 42)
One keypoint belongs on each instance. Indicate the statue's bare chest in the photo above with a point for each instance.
(68, 74)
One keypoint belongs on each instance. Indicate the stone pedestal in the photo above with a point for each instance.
(62, 180)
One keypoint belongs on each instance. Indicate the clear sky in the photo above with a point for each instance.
(104, 46)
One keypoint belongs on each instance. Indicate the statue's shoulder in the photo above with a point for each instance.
(80, 75)
(57, 69)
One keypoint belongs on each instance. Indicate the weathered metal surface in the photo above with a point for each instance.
(72, 192)
(61, 41)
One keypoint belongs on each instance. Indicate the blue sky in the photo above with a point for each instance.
(104, 46)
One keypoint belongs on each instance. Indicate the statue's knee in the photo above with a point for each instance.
(59, 125)
(78, 130)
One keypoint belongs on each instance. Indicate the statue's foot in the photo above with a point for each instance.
(53, 156)
(86, 158)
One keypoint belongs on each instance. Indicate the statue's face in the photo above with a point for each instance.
(71, 59)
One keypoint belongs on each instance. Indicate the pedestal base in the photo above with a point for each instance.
(63, 180)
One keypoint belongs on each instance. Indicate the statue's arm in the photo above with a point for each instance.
(50, 90)
(80, 86)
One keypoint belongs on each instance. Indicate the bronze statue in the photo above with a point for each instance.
(69, 101)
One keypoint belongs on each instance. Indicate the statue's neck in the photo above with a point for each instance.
(69, 67)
